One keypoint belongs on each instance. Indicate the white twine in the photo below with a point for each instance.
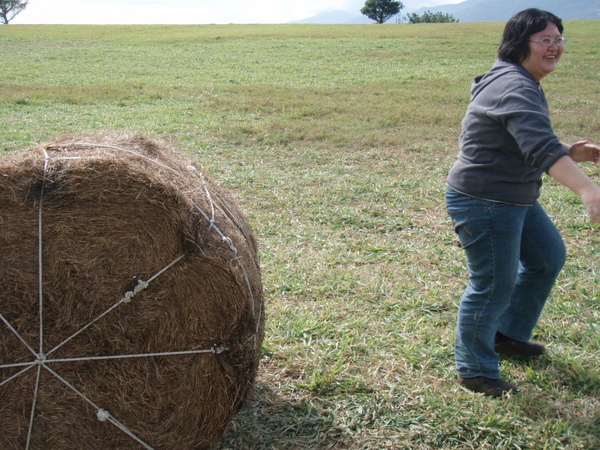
(42, 360)
(216, 348)
(136, 355)
(33, 405)
(29, 366)
(11, 328)
(101, 414)
(140, 286)
(40, 257)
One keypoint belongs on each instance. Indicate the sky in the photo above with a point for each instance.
(190, 11)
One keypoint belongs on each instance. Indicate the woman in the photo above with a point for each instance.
(514, 251)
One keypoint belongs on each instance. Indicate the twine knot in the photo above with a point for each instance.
(103, 415)
(140, 286)
(219, 348)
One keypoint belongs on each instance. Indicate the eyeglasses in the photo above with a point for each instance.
(548, 42)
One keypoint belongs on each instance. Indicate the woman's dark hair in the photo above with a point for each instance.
(515, 40)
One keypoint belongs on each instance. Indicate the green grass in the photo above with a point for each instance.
(336, 140)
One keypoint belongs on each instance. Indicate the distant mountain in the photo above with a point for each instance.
(336, 17)
(477, 11)
(502, 10)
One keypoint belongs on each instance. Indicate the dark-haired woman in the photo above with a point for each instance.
(514, 251)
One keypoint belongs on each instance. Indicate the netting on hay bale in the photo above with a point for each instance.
(131, 308)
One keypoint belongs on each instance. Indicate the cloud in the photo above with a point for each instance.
(189, 11)
(171, 11)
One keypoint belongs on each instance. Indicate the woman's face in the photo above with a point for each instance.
(542, 60)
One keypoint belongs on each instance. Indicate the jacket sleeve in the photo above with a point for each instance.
(523, 111)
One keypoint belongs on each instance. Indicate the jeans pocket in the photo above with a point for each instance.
(462, 226)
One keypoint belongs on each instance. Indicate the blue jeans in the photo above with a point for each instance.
(514, 254)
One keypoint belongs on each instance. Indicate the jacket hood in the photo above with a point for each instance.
(499, 69)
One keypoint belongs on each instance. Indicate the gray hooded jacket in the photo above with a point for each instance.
(507, 141)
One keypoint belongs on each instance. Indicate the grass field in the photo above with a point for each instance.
(336, 140)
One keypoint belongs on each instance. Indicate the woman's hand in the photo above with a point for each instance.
(591, 201)
(584, 151)
(566, 172)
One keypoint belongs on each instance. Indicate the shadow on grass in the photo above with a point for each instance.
(563, 382)
(268, 421)
(559, 371)
(562, 394)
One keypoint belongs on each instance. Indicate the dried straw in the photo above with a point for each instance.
(115, 245)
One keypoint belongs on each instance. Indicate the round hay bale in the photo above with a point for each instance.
(131, 308)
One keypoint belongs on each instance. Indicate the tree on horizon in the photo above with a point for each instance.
(381, 10)
(10, 8)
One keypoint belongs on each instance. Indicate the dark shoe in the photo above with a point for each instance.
(507, 346)
(488, 386)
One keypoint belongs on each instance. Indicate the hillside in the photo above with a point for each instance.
(477, 11)
(500, 11)
(336, 17)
